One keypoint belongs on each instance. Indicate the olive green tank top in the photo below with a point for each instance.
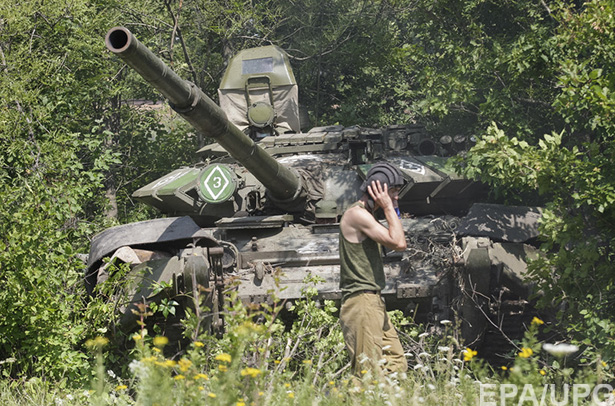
(361, 266)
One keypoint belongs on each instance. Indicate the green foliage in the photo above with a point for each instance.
(61, 146)
(533, 81)
(469, 65)
(49, 174)
(572, 169)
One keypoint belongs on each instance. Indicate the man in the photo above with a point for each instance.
(368, 332)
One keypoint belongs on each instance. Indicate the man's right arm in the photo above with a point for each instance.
(393, 237)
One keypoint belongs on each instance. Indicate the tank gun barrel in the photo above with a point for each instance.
(205, 116)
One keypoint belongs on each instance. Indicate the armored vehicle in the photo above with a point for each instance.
(259, 213)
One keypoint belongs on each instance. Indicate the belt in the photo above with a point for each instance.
(368, 291)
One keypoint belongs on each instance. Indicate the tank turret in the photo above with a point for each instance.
(205, 116)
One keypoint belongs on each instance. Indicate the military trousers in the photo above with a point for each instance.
(370, 337)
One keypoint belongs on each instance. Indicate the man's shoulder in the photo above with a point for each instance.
(358, 216)
(356, 210)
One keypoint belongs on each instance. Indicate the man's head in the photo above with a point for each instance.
(386, 174)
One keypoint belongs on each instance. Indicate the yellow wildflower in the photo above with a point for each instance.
(307, 361)
(504, 368)
(170, 363)
(542, 372)
(291, 395)
(96, 343)
(224, 357)
(137, 337)
(261, 393)
(160, 341)
(179, 377)
(526, 352)
(331, 383)
(201, 388)
(287, 385)
(537, 321)
(251, 372)
(603, 364)
(277, 361)
(201, 376)
(198, 344)
(121, 387)
(211, 395)
(364, 371)
(158, 350)
(240, 403)
(184, 364)
(222, 368)
(468, 354)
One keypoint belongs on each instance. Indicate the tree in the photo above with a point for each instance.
(572, 167)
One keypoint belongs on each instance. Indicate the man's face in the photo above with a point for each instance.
(394, 193)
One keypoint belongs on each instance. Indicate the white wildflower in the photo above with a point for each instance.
(138, 369)
(421, 399)
(59, 402)
(69, 397)
(111, 373)
(560, 350)
(445, 322)
(424, 355)
(431, 387)
(444, 349)
(418, 366)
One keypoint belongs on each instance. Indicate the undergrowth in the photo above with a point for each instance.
(260, 360)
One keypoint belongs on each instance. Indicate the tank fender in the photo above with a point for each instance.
(163, 230)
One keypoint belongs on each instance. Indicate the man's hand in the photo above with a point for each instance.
(380, 194)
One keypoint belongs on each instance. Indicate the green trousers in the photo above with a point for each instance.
(369, 335)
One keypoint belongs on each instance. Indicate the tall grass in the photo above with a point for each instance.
(270, 363)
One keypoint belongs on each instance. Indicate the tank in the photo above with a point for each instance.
(259, 213)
